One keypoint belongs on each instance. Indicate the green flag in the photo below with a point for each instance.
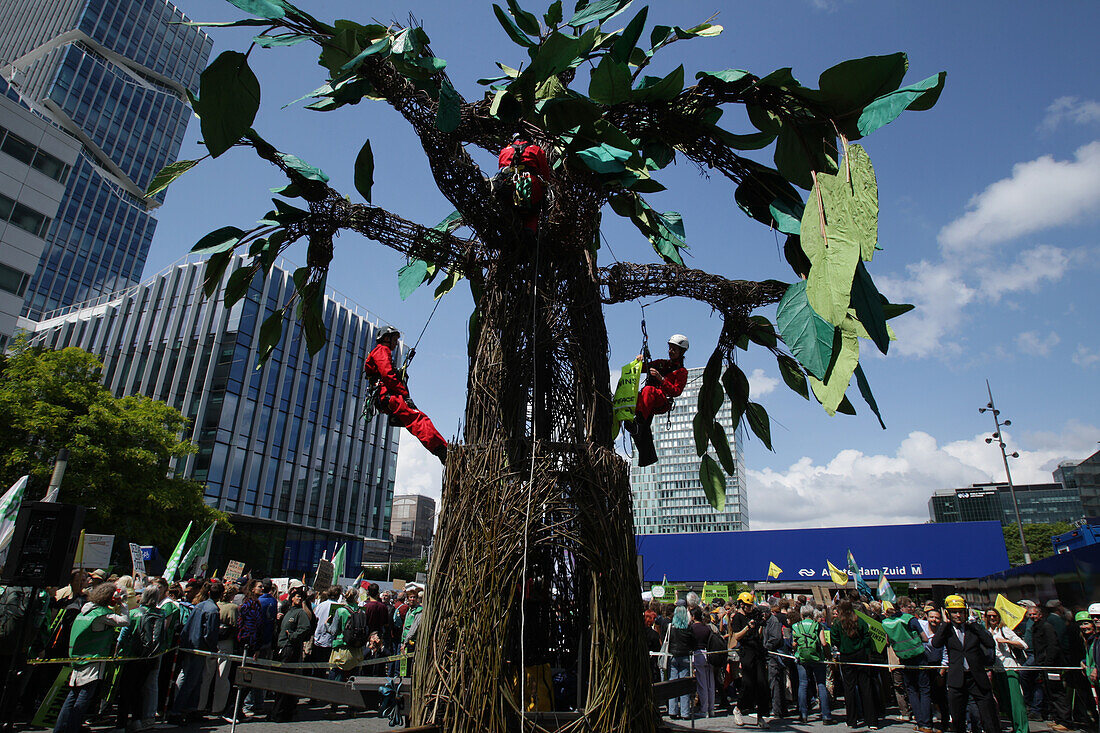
(174, 561)
(861, 584)
(9, 511)
(338, 561)
(198, 550)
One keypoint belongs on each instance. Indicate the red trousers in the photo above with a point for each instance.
(415, 421)
(651, 401)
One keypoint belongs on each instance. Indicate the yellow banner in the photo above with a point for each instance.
(839, 576)
(1011, 614)
(626, 396)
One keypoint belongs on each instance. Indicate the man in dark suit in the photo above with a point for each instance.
(969, 649)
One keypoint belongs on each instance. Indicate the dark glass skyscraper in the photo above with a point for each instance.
(114, 73)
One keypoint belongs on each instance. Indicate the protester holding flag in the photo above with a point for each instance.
(852, 637)
(1006, 681)
(199, 632)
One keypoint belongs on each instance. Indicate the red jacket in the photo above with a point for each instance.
(673, 378)
(379, 365)
(532, 158)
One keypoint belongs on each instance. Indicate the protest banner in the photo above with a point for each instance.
(323, 579)
(878, 634)
(234, 570)
(711, 591)
(137, 559)
(97, 551)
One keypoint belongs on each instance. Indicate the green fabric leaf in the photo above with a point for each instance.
(851, 84)
(787, 215)
(410, 277)
(237, 287)
(867, 303)
(556, 54)
(286, 39)
(793, 375)
(610, 82)
(628, 40)
(448, 283)
(762, 189)
(761, 332)
(729, 76)
(703, 30)
(212, 273)
(659, 36)
(450, 223)
(807, 335)
(710, 391)
(893, 310)
(597, 11)
(270, 9)
(846, 407)
(760, 424)
(722, 447)
(884, 110)
(226, 23)
(305, 169)
(167, 175)
(553, 14)
(714, 482)
(381, 46)
(229, 97)
(364, 171)
(803, 148)
(526, 21)
(505, 106)
(514, 32)
(219, 240)
(752, 141)
(271, 332)
(449, 113)
(865, 390)
(831, 391)
(736, 385)
(604, 158)
(702, 436)
(653, 89)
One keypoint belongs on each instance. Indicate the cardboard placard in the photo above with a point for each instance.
(398, 584)
(234, 570)
(323, 579)
(137, 559)
(97, 551)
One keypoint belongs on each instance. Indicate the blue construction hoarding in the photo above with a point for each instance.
(912, 552)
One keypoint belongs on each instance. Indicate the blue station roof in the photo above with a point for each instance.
(912, 552)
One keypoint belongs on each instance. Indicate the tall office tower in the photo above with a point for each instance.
(115, 75)
(668, 496)
(412, 525)
(284, 448)
(36, 160)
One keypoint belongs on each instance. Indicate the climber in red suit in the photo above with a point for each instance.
(394, 399)
(665, 379)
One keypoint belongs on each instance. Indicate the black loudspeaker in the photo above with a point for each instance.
(44, 544)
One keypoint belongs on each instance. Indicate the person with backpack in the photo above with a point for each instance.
(810, 644)
(393, 397)
(665, 381)
(200, 632)
(145, 638)
(907, 639)
(348, 626)
(93, 636)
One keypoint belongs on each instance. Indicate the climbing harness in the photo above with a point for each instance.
(374, 385)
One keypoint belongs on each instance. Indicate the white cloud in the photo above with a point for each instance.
(858, 489)
(418, 471)
(761, 384)
(1070, 109)
(1030, 342)
(1041, 194)
(1032, 267)
(1085, 357)
(940, 294)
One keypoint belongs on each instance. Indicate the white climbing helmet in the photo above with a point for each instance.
(679, 339)
(1094, 610)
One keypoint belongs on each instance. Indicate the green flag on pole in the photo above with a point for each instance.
(338, 561)
(197, 550)
(174, 561)
(9, 511)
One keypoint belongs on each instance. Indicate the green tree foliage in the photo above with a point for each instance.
(119, 449)
(1038, 537)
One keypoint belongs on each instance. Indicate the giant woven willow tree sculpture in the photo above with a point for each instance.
(534, 558)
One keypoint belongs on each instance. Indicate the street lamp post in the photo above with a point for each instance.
(991, 408)
(389, 560)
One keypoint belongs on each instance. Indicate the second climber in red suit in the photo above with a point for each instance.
(665, 380)
(393, 398)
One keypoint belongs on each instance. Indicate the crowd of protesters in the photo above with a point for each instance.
(949, 668)
(167, 652)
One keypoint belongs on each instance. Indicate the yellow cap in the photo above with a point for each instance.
(954, 602)
(746, 597)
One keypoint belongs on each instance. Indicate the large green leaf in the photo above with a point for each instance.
(865, 390)
(597, 12)
(762, 189)
(219, 240)
(449, 113)
(271, 332)
(229, 97)
(270, 9)
(167, 175)
(867, 302)
(553, 14)
(410, 277)
(512, 29)
(851, 84)
(284, 39)
(736, 385)
(793, 376)
(304, 169)
(807, 335)
(714, 482)
(702, 435)
(610, 82)
(759, 423)
(728, 76)
(214, 270)
(721, 445)
(364, 171)
(624, 46)
(526, 21)
(604, 158)
(884, 110)
(237, 287)
(710, 391)
(831, 391)
(660, 89)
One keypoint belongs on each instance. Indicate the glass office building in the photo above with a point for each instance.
(283, 448)
(668, 496)
(114, 74)
(1039, 503)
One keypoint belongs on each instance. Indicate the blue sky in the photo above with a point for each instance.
(988, 212)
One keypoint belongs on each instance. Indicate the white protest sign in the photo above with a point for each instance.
(137, 559)
(97, 550)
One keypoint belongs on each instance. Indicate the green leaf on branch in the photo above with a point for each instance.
(553, 14)
(728, 76)
(761, 332)
(710, 391)
(714, 482)
(865, 390)
(237, 287)
(271, 332)
(450, 223)
(512, 29)
(884, 110)
(764, 189)
(893, 310)
(448, 283)
(597, 12)
(270, 9)
(527, 22)
(610, 82)
(410, 277)
(364, 171)
(660, 89)
(702, 436)
(167, 175)
(759, 423)
(793, 376)
(219, 240)
(449, 113)
(804, 148)
(830, 392)
(626, 42)
(605, 158)
(736, 385)
(305, 169)
(229, 97)
(721, 445)
(284, 39)
(807, 335)
(212, 273)
(867, 302)
(852, 84)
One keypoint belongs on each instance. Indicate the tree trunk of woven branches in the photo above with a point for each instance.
(534, 560)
